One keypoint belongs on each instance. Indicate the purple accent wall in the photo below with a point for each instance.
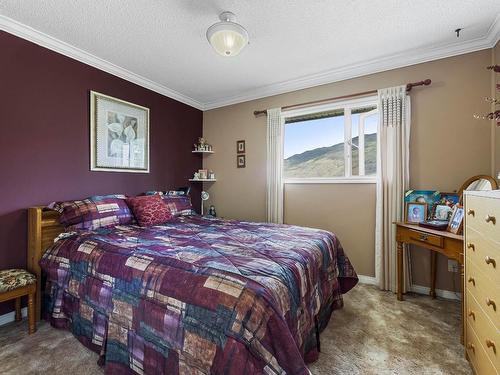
(44, 138)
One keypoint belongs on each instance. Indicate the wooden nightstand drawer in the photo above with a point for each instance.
(486, 331)
(427, 238)
(484, 291)
(485, 254)
(483, 215)
(477, 354)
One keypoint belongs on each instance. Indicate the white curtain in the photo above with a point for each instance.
(393, 166)
(274, 199)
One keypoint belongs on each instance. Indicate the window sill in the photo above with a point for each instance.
(340, 180)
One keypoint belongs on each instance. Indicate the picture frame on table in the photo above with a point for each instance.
(203, 174)
(443, 208)
(415, 212)
(455, 225)
(442, 212)
(428, 197)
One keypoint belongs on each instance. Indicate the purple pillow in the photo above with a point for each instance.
(178, 205)
(98, 211)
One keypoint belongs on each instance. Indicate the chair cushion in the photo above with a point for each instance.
(15, 278)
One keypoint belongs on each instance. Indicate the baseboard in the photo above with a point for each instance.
(419, 289)
(367, 280)
(447, 294)
(11, 316)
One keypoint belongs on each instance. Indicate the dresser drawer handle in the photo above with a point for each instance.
(472, 314)
(471, 346)
(490, 302)
(471, 280)
(470, 212)
(490, 219)
(491, 344)
(423, 237)
(471, 246)
(491, 261)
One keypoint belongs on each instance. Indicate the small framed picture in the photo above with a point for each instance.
(203, 174)
(457, 220)
(415, 212)
(240, 161)
(442, 212)
(240, 147)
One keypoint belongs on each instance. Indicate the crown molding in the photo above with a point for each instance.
(26, 32)
(373, 66)
(494, 31)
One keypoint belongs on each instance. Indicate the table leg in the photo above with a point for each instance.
(31, 313)
(399, 267)
(433, 274)
(18, 309)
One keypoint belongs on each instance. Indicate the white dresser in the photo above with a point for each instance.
(482, 280)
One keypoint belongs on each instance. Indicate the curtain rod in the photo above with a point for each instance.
(409, 86)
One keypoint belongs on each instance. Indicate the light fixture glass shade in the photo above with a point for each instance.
(227, 37)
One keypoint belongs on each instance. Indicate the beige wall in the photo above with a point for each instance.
(447, 146)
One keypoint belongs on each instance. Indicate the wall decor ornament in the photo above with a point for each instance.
(119, 135)
(495, 114)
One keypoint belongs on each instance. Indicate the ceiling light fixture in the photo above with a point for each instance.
(227, 37)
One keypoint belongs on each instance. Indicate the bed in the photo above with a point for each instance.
(193, 296)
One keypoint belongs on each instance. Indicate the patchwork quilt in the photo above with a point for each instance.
(198, 295)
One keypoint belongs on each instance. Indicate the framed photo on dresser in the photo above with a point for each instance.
(119, 135)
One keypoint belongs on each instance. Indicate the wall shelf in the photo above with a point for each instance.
(202, 180)
(202, 152)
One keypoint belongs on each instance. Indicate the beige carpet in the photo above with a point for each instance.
(373, 334)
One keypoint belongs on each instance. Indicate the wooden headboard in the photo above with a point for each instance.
(43, 228)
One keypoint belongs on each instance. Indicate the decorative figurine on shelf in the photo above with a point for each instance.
(202, 145)
(196, 176)
(211, 211)
(211, 175)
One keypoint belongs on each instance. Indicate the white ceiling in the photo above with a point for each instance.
(161, 44)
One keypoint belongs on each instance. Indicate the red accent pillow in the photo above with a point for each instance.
(149, 210)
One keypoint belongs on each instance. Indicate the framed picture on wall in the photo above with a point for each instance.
(240, 147)
(119, 135)
(240, 161)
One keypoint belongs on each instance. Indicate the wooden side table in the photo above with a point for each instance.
(446, 243)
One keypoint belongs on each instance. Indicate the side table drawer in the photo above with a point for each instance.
(427, 238)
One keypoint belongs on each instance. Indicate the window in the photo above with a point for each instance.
(331, 143)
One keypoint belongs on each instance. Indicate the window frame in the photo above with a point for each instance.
(347, 105)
